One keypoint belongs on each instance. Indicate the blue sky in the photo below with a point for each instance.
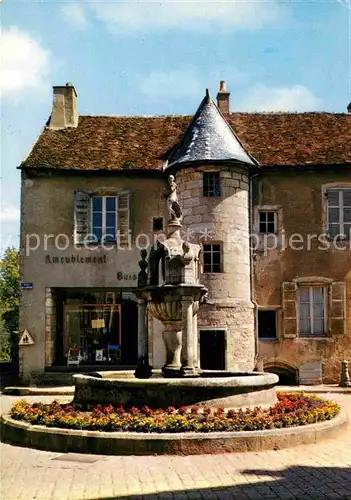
(137, 58)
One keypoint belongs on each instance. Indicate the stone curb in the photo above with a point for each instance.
(133, 443)
(39, 391)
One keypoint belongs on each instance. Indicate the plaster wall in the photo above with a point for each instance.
(48, 212)
(300, 199)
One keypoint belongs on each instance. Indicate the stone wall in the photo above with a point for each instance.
(223, 220)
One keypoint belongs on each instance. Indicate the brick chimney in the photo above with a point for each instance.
(223, 98)
(64, 109)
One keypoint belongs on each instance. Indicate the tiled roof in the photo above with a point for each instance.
(114, 143)
(208, 138)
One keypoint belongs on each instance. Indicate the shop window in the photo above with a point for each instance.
(312, 310)
(211, 184)
(93, 333)
(339, 212)
(212, 258)
(267, 324)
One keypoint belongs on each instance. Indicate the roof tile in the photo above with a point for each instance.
(116, 142)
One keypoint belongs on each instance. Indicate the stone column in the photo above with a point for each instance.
(143, 370)
(142, 330)
(172, 337)
(187, 337)
(50, 326)
(195, 342)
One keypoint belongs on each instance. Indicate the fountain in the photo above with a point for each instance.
(170, 290)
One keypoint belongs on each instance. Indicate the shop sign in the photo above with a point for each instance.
(127, 276)
(75, 259)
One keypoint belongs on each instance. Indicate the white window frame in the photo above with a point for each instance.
(211, 253)
(265, 211)
(103, 229)
(341, 223)
(311, 310)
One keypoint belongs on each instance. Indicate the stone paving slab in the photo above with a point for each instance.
(317, 471)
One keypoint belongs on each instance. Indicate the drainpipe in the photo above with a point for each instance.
(252, 287)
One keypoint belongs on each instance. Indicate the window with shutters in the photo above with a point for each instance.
(313, 306)
(339, 212)
(102, 218)
(312, 310)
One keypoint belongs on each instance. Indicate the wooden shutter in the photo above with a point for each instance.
(123, 217)
(81, 216)
(289, 293)
(338, 308)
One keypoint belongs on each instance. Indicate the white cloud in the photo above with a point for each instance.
(9, 212)
(294, 98)
(75, 15)
(133, 16)
(24, 63)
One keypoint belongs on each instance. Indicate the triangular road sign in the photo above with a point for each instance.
(26, 339)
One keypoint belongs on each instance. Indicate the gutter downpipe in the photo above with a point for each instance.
(252, 284)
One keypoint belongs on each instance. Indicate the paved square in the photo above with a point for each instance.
(306, 472)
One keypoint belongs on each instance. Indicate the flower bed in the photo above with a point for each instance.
(291, 410)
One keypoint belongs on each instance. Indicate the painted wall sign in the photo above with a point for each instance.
(26, 286)
(26, 338)
(127, 276)
(75, 259)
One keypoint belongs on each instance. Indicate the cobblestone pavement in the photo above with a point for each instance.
(305, 472)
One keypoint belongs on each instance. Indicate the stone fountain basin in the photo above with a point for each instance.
(216, 389)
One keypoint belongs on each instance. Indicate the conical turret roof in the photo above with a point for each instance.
(209, 138)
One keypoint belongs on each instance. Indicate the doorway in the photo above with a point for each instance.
(212, 349)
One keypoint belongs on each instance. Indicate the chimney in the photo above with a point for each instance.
(223, 98)
(349, 108)
(64, 109)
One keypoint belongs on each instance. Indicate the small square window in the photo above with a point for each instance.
(212, 258)
(157, 223)
(211, 184)
(267, 324)
(267, 221)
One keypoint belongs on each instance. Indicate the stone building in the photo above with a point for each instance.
(268, 196)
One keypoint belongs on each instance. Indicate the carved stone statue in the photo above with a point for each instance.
(174, 210)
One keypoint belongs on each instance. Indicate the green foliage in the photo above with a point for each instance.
(291, 410)
(9, 304)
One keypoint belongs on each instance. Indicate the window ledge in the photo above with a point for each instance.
(269, 339)
(316, 337)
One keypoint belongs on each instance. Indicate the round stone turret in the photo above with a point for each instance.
(223, 221)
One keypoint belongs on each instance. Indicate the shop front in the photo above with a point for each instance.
(96, 327)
